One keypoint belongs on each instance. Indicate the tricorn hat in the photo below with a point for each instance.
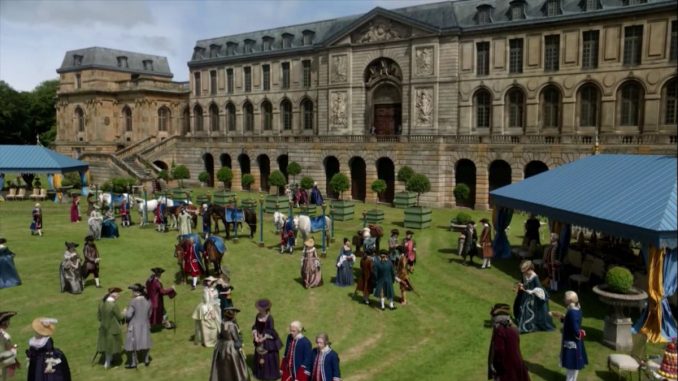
(89, 238)
(6, 315)
(158, 270)
(309, 242)
(137, 287)
(263, 304)
(485, 220)
(44, 326)
(501, 309)
(3, 240)
(210, 279)
(231, 309)
(71, 245)
(114, 289)
(409, 232)
(395, 231)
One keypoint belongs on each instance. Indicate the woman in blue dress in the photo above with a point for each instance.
(325, 361)
(109, 229)
(345, 262)
(8, 274)
(572, 352)
(531, 305)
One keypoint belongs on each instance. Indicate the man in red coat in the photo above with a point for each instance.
(505, 362)
(155, 295)
(191, 262)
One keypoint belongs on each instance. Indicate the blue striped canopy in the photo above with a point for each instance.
(632, 196)
(33, 159)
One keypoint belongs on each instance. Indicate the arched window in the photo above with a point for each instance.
(671, 102)
(589, 100)
(230, 116)
(551, 107)
(186, 122)
(631, 104)
(214, 117)
(267, 116)
(80, 119)
(515, 101)
(482, 101)
(307, 107)
(197, 114)
(286, 111)
(127, 117)
(163, 119)
(248, 115)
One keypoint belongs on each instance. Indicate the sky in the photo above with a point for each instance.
(35, 35)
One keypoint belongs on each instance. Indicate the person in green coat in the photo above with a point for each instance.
(383, 272)
(109, 342)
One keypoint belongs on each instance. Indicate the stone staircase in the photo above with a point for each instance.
(142, 172)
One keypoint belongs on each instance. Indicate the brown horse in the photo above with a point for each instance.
(213, 254)
(218, 213)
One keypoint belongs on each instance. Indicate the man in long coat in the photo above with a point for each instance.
(156, 292)
(184, 222)
(109, 341)
(384, 275)
(505, 363)
(138, 341)
(91, 254)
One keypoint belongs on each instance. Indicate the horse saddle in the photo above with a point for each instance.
(235, 215)
(317, 224)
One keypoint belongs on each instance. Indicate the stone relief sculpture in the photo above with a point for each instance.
(424, 106)
(424, 61)
(383, 68)
(339, 68)
(338, 109)
(381, 30)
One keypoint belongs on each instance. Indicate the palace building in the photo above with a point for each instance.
(478, 92)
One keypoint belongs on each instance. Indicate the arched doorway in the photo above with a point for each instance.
(331, 164)
(264, 170)
(465, 173)
(161, 164)
(358, 178)
(383, 79)
(500, 174)
(535, 167)
(386, 172)
(283, 160)
(208, 160)
(244, 162)
(225, 160)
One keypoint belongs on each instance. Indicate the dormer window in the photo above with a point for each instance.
(484, 14)
(214, 50)
(77, 60)
(517, 10)
(589, 5)
(634, 2)
(230, 48)
(267, 43)
(287, 40)
(249, 45)
(308, 37)
(553, 8)
(198, 52)
(122, 62)
(148, 65)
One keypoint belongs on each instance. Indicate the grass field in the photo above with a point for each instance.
(441, 335)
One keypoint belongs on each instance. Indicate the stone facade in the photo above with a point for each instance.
(456, 90)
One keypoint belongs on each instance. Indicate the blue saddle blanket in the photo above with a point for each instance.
(234, 215)
(197, 245)
(318, 224)
(218, 243)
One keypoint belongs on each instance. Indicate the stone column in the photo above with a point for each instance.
(370, 177)
(236, 184)
(254, 170)
(482, 188)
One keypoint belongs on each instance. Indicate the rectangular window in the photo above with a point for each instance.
(213, 82)
(673, 52)
(590, 49)
(552, 52)
(285, 75)
(516, 55)
(307, 73)
(483, 58)
(229, 81)
(196, 83)
(266, 75)
(248, 78)
(552, 8)
(77, 81)
(591, 5)
(633, 43)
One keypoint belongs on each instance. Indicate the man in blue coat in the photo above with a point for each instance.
(298, 360)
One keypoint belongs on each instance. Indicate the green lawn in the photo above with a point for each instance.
(441, 335)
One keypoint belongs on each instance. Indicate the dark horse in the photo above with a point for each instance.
(218, 213)
(214, 253)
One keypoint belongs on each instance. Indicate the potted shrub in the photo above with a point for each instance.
(247, 180)
(375, 215)
(404, 199)
(277, 202)
(204, 178)
(418, 217)
(181, 173)
(293, 169)
(462, 193)
(619, 293)
(225, 175)
(306, 184)
(458, 223)
(342, 210)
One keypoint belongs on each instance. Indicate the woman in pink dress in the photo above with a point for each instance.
(75, 212)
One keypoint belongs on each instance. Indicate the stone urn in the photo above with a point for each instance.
(617, 329)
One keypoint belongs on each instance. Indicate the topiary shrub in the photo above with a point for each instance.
(181, 173)
(462, 192)
(293, 169)
(306, 182)
(163, 175)
(404, 174)
(277, 179)
(462, 218)
(418, 184)
(204, 177)
(340, 183)
(247, 181)
(225, 175)
(619, 279)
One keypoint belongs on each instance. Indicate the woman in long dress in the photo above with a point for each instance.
(310, 265)
(207, 315)
(75, 212)
(9, 277)
(267, 343)
(228, 360)
(345, 262)
(36, 225)
(70, 270)
(109, 229)
(531, 305)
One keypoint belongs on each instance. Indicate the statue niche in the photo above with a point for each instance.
(382, 69)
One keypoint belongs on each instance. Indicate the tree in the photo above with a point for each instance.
(163, 175)
(404, 174)
(339, 183)
(24, 115)
(181, 173)
(462, 192)
(225, 175)
(293, 169)
(277, 179)
(378, 186)
(306, 182)
(204, 177)
(419, 184)
(247, 180)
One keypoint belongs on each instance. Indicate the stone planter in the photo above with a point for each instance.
(223, 198)
(617, 329)
(249, 203)
(403, 200)
(418, 217)
(202, 199)
(276, 204)
(374, 216)
(181, 195)
(343, 210)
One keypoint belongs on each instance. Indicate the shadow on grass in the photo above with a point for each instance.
(606, 375)
(447, 251)
(544, 373)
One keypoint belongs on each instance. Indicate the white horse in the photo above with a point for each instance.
(279, 220)
(107, 197)
(151, 206)
(302, 223)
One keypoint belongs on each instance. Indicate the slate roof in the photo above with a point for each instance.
(631, 196)
(31, 159)
(438, 18)
(105, 58)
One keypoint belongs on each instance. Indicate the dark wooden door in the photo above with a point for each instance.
(385, 119)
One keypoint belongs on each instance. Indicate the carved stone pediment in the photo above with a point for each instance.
(380, 29)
